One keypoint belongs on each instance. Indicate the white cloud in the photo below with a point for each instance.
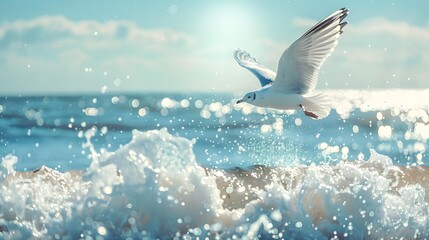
(398, 29)
(59, 27)
(58, 49)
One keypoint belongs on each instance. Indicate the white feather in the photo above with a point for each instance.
(264, 74)
(299, 65)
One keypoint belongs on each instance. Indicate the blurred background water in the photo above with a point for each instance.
(50, 130)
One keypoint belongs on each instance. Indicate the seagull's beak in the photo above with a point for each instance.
(239, 101)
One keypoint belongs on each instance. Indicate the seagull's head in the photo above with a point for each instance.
(249, 98)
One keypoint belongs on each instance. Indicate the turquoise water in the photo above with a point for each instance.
(49, 130)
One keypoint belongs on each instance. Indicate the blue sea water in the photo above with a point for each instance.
(49, 130)
(182, 166)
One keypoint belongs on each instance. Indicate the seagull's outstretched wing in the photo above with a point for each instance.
(299, 65)
(264, 75)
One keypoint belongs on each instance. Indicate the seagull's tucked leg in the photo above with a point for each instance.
(307, 113)
(316, 106)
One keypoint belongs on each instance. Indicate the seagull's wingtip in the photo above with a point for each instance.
(344, 14)
(238, 53)
(342, 25)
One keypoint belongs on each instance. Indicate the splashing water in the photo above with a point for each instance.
(153, 187)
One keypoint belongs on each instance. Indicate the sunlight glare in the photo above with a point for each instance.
(228, 23)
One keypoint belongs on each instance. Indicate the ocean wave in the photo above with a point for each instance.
(153, 187)
(49, 130)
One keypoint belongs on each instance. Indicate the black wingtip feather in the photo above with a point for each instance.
(342, 25)
(344, 16)
(322, 24)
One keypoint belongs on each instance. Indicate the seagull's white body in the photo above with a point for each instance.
(272, 99)
(291, 87)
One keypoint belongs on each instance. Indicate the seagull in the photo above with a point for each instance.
(291, 87)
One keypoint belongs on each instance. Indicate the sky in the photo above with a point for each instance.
(80, 47)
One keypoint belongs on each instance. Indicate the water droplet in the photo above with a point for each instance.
(102, 230)
(298, 121)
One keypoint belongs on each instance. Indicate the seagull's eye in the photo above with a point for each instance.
(248, 97)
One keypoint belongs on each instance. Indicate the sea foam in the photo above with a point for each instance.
(153, 187)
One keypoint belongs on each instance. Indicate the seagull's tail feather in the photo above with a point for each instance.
(316, 106)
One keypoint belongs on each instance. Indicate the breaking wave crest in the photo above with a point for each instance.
(153, 187)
